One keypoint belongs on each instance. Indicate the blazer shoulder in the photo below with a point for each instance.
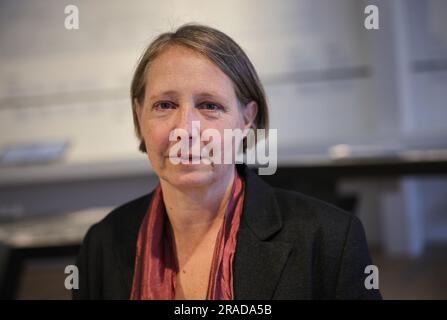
(122, 221)
(97, 258)
(299, 203)
(332, 239)
(313, 216)
(130, 210)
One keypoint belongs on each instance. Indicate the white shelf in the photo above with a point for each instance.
(73, 171)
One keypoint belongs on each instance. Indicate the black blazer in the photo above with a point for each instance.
(289, 246)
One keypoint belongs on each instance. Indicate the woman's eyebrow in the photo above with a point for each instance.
(173, 94)
(170, 94)
(212, 95)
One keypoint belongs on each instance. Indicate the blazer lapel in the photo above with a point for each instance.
(258, 266)
(258, 262)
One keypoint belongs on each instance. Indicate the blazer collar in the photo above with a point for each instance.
(261, 211)
(258, 262)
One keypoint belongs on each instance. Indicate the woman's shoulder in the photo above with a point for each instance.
(304, 205)
(127, 212)
(298, 212)
(122, 221)
(108, 250)
(327, 240)
(303, 214)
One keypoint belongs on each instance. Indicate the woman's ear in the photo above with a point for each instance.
(249, 113)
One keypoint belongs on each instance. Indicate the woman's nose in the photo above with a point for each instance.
(188, 120)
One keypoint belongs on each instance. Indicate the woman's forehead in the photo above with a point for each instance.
(179, 70)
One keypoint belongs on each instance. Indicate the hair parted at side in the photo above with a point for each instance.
(221, 50)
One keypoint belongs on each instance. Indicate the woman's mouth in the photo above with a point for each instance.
(193, 159)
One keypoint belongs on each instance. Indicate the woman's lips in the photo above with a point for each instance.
(189, 158)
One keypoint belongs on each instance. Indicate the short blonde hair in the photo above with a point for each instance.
(221, 50)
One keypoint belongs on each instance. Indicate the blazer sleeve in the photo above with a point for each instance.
(89, 266)
(355, 258)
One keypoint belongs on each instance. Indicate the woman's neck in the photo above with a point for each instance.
(194, 212)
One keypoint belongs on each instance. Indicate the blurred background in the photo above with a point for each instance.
(361, 117)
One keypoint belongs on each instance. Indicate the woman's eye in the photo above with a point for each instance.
(210, 106)
(164, 106)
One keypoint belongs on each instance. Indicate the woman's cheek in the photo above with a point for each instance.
(152, 145)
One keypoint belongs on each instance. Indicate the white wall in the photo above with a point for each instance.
(73, 84)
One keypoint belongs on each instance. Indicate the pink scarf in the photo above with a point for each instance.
(155, 262)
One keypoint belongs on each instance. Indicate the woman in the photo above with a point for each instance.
(214, 230)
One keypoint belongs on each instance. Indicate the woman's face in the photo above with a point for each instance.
(183, 86)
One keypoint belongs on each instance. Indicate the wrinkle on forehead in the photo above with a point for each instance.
(183, 70)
